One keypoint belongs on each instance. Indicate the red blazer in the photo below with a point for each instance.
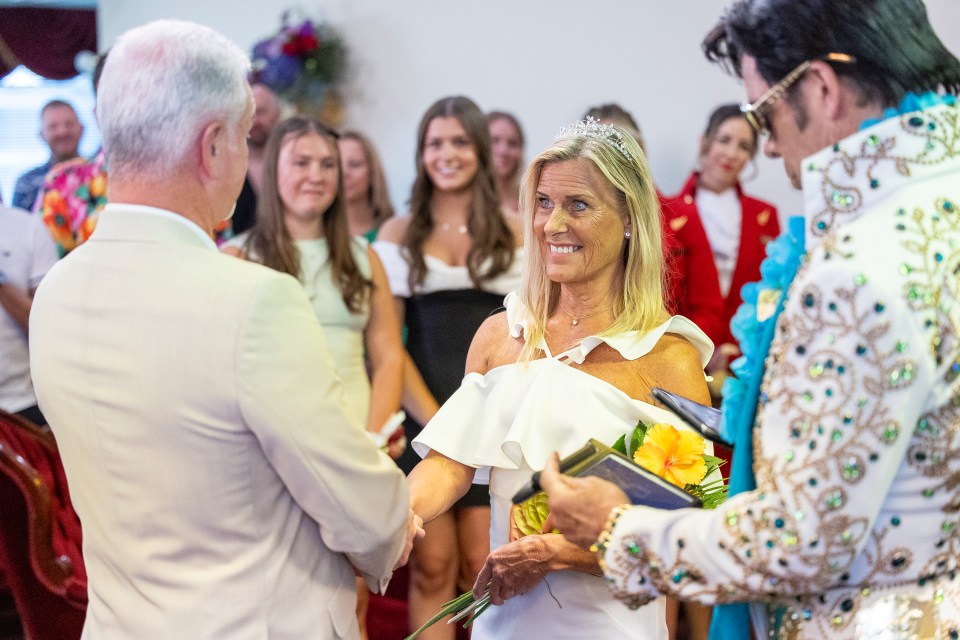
(692, 286)
(759, 225)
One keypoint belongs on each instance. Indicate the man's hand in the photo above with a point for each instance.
(579, 507)
(414, 532)
(514, 569)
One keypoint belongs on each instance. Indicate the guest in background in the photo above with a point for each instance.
(61, 130)
(450, 262)
(224, 487)
(364, 185)
(506, 144)
(266, 115)
(26, 254)
(691, 283)
(74, 192)
(302, 230)
(737, 225)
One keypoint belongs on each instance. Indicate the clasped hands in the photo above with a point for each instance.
(414, 532)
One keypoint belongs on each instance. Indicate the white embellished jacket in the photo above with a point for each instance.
(854, 528)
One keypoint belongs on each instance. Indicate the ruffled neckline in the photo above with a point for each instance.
(631, 345)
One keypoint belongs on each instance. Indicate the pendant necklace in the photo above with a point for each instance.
(461, 229)
(575, 320)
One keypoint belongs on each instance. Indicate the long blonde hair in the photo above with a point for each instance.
(638, 306)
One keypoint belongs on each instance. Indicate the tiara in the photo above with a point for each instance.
(592, 128)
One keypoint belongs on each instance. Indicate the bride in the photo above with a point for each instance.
(573, 357)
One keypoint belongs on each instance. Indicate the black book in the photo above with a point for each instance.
(641, 486)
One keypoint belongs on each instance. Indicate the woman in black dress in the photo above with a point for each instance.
(450, 263)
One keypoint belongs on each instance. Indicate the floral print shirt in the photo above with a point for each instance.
(74, 193)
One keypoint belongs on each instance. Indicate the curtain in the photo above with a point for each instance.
(45, 40)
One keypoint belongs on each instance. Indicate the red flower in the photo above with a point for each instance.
(290, 48)
(307, 42)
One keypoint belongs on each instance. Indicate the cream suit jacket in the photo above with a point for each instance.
(222, 489)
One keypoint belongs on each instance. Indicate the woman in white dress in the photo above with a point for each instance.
(302, 230)
(574, 357)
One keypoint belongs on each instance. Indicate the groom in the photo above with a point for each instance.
(223, 491)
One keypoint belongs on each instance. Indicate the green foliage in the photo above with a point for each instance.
(636, 437)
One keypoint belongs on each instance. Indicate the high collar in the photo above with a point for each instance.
(842, 182)
(689, 191)
(139, 223)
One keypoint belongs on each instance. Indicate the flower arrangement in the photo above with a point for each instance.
(675, 455)
(301, 62)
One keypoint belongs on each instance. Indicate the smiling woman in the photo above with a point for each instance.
(450, 262)
(573, 357)
(301, 229)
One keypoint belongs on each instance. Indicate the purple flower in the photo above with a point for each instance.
(280, 72)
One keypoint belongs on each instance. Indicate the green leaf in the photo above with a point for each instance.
(620, 444)
(637, 437)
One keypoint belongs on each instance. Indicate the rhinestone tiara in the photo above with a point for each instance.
(592, 128)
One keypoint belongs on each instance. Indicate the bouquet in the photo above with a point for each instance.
(675, 455)
(301, 62)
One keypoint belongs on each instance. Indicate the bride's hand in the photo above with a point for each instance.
(514, 568)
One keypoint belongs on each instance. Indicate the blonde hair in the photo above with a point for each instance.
(638, 305)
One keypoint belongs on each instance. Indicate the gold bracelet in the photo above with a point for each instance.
(603, 540)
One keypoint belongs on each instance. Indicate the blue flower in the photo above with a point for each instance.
(281, 72)
(740, 391)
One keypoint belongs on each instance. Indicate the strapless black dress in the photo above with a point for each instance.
(441, 326)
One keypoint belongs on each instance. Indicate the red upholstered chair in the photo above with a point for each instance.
(40, 537)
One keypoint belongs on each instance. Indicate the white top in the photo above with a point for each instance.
(26, 253)
(506, 423)
(440, 275)
(722, 217)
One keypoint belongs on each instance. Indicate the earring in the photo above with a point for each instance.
(626, 234)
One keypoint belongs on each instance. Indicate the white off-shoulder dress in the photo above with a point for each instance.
(506, 423)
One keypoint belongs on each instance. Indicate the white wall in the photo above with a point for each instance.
(544, 60)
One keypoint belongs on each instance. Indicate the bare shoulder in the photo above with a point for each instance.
(492, 345)
(394, 228)
(679, 368)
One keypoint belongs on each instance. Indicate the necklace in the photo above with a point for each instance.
(575, 320)
(461, 229)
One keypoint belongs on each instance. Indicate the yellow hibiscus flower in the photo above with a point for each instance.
(674, 455)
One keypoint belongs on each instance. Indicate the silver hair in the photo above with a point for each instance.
(163, 82)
